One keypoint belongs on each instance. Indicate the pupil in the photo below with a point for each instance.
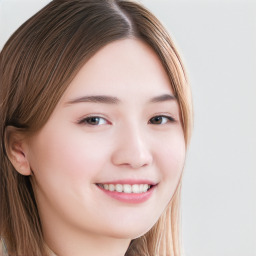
(94, 120)
(158, 120)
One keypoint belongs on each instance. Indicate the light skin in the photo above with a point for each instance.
(132, 132)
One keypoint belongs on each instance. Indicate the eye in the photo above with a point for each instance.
(93, 120)
(161, 119)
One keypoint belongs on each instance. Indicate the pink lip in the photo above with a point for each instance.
(132, 198)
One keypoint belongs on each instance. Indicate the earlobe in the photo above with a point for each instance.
(16, 149)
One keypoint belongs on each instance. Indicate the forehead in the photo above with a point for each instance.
(124, 67)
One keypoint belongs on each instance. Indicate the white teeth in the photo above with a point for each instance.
(126, 188)
(111, 187)
(119, 188)
(145, 187)
(136, 188)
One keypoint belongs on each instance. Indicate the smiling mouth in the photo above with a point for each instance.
(126, 188)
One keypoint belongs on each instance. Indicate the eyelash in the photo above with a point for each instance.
(85, 121)
(169, 118)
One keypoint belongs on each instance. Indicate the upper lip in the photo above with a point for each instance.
(128, 181)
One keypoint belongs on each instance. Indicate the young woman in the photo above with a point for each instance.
(95, 121)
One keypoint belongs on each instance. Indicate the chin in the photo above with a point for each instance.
(131, 231)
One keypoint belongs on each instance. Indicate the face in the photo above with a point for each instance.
(109, 159)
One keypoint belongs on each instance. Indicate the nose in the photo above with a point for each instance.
(131, 149)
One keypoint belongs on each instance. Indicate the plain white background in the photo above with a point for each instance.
(218, 43)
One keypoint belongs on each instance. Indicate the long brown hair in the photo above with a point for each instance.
(36, 66)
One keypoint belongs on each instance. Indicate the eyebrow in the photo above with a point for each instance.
(162, 98)
(95, 99)
(104, 99)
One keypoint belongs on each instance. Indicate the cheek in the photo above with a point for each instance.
(172, 158)
(63, 160)
(65, 168)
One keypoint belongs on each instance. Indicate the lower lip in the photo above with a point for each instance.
(132, 198)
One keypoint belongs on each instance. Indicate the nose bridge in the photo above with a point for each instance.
(132, 147)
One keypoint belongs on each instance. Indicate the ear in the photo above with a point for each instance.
(16, 149)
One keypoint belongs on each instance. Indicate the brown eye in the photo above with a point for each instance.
(161, 119)
(93, 120)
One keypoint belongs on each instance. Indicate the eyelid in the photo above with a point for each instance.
(82, 121)
(170, 118)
